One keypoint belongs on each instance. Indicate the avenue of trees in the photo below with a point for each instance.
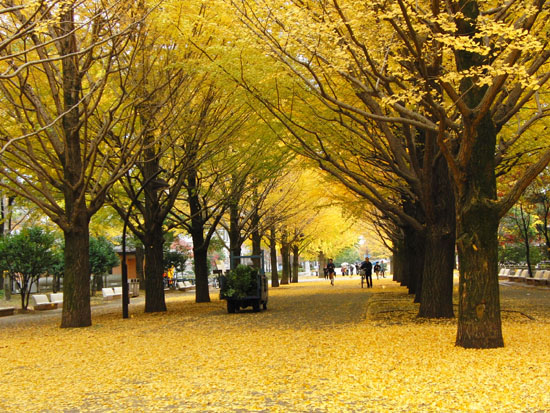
(196, 116)
(419, 117)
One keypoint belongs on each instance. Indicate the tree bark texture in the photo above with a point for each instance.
(76, 282)
(479, 320)
(436, 299)
(154, 270)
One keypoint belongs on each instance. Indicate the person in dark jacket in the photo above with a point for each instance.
(376, 269)
(366, 266)
(331, 271)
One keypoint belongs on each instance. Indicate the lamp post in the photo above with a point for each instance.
(124, 267)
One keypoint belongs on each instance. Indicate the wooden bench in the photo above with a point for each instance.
(42, 303)
(4, 311)
(118, 292)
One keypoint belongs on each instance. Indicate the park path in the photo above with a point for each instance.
(306, 307)
(350, 309)
(316, 349)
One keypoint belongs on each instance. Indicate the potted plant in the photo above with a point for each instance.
(241, 287)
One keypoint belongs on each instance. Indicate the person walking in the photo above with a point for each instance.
(366, 266)
(331, 271)
(376, 269)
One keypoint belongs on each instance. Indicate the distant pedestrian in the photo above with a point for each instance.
(331, 268)
(376, 269)
(366, 266)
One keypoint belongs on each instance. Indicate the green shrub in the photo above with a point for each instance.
(240, 282)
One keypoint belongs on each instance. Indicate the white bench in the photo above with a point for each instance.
(41, 302)
(111, 293)
(57, 298)
(185, 286)
(503, 274)
(541, 278)
(518, 276)
(6, 311)
(108, 294)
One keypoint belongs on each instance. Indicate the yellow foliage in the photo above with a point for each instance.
(317, 348)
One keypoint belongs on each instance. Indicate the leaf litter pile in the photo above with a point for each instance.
(317, 348)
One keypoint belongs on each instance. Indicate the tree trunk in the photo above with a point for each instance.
(439, 252)
(76, 283)
(479, 321)
(417, 254)
(399, 262)
(202, 294)
(94, 284)
(273, 256)
(295, 263)
(412, 250)
(200, 245)
(154, 269)
(437, 280)
(524, 227)
(7, 287)
(285, 256)
(200, 262)
(23, 293)
(140, 255)
(256, 239)
(322, 264)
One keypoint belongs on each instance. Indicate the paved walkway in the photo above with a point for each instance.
(535, 297)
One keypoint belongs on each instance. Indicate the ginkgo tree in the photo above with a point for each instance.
(458, 73)
(172, 94)
(65, 117)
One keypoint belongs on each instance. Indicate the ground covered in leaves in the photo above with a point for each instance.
(317, 348)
